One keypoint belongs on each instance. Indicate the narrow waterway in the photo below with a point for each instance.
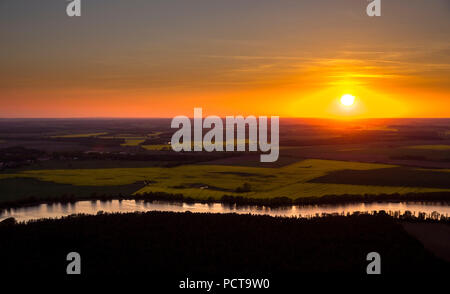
(93, 207)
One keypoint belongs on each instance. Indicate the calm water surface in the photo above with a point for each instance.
(92, 207)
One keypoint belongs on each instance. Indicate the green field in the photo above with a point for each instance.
(204, 181)
(132, 142)
(21, 188)
(431, 147)
(130, 139)
(80, 135)
(156, 147)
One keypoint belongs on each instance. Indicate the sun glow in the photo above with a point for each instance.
(347, 99)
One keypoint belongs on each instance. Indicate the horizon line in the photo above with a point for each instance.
(281, 117)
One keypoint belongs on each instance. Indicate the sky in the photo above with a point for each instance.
(162, 58)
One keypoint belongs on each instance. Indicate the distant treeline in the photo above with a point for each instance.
(364, 136)
(174, 157)
(17, 156)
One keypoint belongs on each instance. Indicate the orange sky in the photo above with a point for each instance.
(290, 58)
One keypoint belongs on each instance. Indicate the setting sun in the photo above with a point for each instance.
(347, 99)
